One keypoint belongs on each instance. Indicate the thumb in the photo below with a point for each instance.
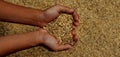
(64, 9)
(63, 47)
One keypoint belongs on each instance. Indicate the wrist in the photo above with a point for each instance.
(39, 36)
(36, 38)
(38, 18)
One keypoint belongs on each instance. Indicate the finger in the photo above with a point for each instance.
(76, 19)
(75, 39)
(75, 16)
(73, 32)
(52, 43)
(75, 24)
(64, 9)
(63, 47)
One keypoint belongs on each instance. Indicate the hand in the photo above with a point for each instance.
(53, 12)
(51, 41)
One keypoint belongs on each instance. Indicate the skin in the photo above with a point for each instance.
(18, 14)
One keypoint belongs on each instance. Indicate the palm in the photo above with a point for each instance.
(52, 42)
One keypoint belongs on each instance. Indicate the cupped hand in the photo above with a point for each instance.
(53, 12)
(50, 41)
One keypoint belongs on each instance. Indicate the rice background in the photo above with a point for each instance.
(98, 31)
